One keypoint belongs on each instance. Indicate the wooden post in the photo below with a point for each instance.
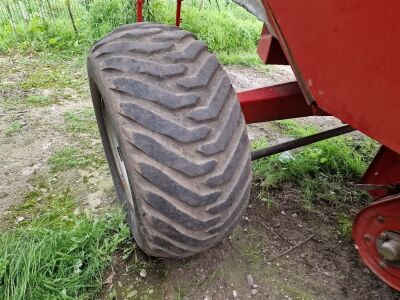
(71, 16)
(24, 12)
(50, 9)
(11, 20)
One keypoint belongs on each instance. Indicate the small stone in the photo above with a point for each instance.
(20, 219)
(64, 218)
(3, 194)
(234, 293)
(143, 273)
(247, 219)
(283, 213)
(327, 274)
(303, 255)
(254, 291)
(132, 294)
(294, 215)
(250, 280)
(255, 286)
(151, 291)
(250, 206)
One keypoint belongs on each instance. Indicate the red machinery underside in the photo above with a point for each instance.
(345, 55)
(345, 58)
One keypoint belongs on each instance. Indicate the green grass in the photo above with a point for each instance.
(72, 157)
(231, 33)
(39, 100)
(345, 225)
(32, 100)
(57, 252)
(48, 78)
(14, 128)
(82, 121)
(59, 256)
(322, 170)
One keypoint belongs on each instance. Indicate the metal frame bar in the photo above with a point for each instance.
(269, 50)
(178, 12)
(277, 102)
(383, 172)
(139, 11)
(300, 142)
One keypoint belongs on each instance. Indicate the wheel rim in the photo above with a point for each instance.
(116, 153)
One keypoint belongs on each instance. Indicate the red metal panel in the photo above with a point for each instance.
(276, 102)
(381, 216)
(345, 54)
(269, 50)
(384, 170)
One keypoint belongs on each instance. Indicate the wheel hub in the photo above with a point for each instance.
(376, 232)
(388, 246)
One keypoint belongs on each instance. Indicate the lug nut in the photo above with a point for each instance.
(383, 236)
(382, 264)
(367, 237)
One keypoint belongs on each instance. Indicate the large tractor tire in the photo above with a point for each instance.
(174, 137)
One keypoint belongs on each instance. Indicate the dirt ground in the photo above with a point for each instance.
(254, 262)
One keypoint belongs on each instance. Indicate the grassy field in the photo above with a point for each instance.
(47, 26)
(52, 246)
(320, 169)
(65, 251)
(324, 171)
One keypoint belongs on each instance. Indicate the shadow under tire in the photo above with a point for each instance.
(174, 137)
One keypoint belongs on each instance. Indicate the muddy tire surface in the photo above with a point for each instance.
(174, 137)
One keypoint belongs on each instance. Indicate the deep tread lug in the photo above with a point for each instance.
(202, 77)
(187, 54)
(231, 167)
(132, 65)
(158, 124)
(225, 135)
(139, 47)
(175, 189)
(171, 159)
(153, 93)
(213, 109)
(171, 212)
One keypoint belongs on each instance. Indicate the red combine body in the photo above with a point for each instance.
(345, 56)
